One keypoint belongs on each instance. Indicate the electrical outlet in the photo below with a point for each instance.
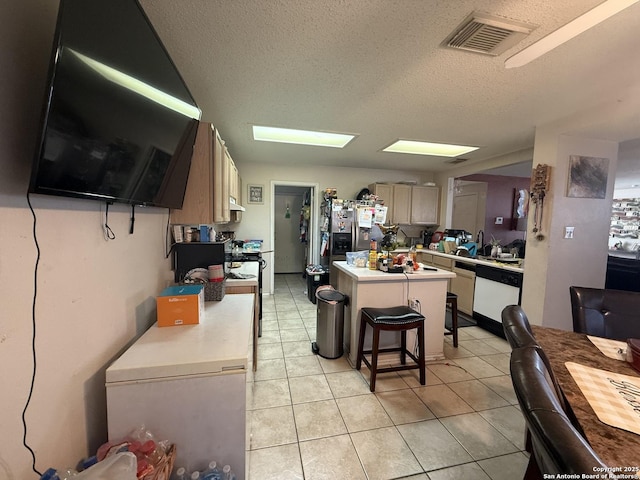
(414, 303)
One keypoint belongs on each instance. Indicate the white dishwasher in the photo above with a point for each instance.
(495, 289)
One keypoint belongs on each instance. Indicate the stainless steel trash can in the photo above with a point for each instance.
(330, 322)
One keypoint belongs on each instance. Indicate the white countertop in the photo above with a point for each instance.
(515, 267)
(220, 342)
(248, 268)
(366, 275)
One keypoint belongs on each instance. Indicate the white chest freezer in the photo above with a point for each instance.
(187, 384)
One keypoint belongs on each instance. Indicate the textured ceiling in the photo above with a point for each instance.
(376, 68)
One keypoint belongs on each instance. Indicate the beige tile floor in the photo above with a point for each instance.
(312, 418)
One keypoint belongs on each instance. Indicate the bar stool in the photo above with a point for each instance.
(400, 319)
(452, 303)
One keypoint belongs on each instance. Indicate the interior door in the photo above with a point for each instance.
(465, 212)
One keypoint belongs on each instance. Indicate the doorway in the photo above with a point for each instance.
(293, 226)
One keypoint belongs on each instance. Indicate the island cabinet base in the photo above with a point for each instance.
(378, 290)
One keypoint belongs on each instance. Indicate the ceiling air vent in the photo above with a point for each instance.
(487, 34)
(456, 161)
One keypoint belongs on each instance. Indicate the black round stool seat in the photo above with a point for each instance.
(398, 319)
(395, 315)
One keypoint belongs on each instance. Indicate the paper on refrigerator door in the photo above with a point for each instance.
(365, 217)
(380, 215)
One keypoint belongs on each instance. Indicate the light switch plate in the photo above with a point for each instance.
(499, 220)
(568, 232)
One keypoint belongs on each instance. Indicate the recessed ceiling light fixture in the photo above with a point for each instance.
(564, 34)
(301, 137)
(428, 148)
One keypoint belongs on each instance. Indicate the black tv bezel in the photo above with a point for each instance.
(44, 122)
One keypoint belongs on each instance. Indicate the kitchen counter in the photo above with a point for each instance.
(365, 275)
(374, 288)
(514, 267)
(245, 268)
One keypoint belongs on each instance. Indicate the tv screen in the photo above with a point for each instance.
(119, 122)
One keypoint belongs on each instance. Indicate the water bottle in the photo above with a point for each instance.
(227, 474)
(50, 474)
(212, 472)
(181, 474)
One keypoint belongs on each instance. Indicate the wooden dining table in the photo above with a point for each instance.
(616, 447)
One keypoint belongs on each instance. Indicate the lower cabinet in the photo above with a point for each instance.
(463, 285)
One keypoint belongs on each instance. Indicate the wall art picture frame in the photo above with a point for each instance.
(255, 194)
(587, 177)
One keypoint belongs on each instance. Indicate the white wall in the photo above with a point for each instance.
(93, 296)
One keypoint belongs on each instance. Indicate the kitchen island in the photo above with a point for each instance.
(374, 288)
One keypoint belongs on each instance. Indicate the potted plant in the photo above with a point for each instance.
(496, 247)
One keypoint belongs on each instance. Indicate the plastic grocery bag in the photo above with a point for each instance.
(121, 466)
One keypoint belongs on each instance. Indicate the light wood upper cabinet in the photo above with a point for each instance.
(408, 204)
(206, 198)
(424, 205)
(401, 204)
(384, 191)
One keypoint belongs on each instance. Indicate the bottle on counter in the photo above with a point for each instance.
(413, 255)
(373, 260)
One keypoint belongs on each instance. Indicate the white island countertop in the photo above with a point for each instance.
(219, 343)
(365, 275)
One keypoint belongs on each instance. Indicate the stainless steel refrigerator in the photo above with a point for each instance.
(352, 228)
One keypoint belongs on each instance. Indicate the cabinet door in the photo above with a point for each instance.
(424, 205)
(384, 192)
(220, 181)
(401, 204)
(233, 181)
(198, 199)
(463, 285)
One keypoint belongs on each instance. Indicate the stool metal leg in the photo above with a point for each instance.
(374, 358)
(422, 355)
(363, 326)
(454, 321)
(403, 347)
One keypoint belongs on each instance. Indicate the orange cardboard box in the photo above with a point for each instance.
(180, 305)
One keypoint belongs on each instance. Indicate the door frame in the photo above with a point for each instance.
(313, 235)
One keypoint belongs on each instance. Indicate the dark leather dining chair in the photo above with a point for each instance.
(605, 313)
(518, 333)
(557, 446)
(516, 327)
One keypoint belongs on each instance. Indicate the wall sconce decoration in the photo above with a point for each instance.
(539, 187)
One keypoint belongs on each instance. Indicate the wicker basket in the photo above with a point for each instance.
(163, 469)
(214, 291)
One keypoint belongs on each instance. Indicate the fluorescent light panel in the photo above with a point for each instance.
(428, 148)
(564, 34)
(301, 137)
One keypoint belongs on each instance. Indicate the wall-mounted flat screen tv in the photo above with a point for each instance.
(119, 122)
